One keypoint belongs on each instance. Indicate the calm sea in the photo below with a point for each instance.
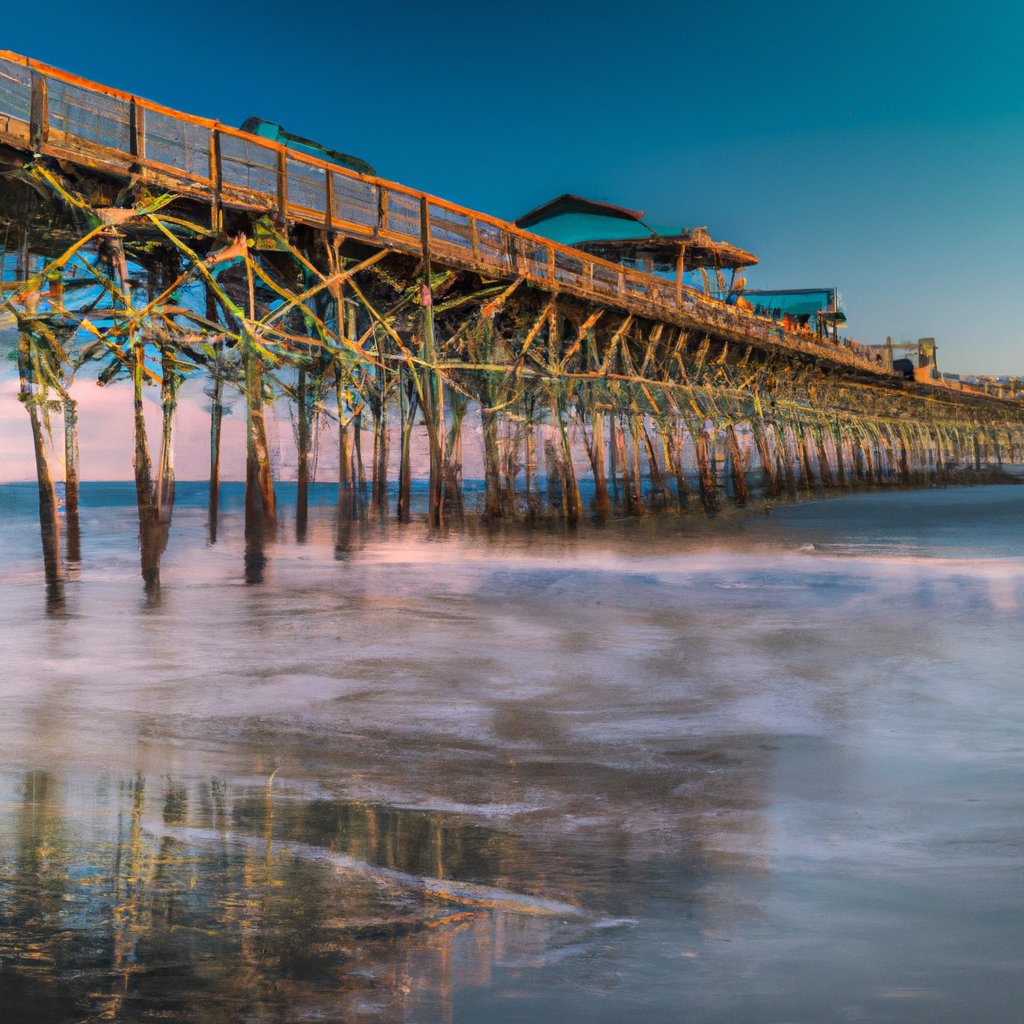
(768, 768)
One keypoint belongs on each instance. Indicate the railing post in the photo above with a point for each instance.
(136, 129)
(217, 177)
(282, 182)
(329, 201)
(39, 118)
(551, 264)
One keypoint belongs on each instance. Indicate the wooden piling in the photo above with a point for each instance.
(824, 464)
(71, 519)
(262, 500)
(705, 454)
(613, 459)
(303, 446)
(739, 477)
(216, 420)
(572, 503)
(659, 490)
(772, 484)
(169, 403)
(807, 478)
(150, 533)
(492, 465)
(636, 490)
(31, 395)
(832, 431)
(408, 404)
(454, 505)
(673, 435)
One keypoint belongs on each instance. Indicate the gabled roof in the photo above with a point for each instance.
(616, 234)
(568, 203)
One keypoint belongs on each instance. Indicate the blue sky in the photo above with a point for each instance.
(876, 147)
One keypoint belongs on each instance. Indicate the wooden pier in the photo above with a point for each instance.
(157, 246)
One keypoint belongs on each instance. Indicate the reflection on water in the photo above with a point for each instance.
(137, 899)
(765, 769)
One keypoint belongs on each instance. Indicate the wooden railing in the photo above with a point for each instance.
(50, 112)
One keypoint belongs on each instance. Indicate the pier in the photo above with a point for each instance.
(152, 246)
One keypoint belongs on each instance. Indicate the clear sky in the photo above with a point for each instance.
(876, 147)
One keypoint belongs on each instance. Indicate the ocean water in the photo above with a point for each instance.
(767, 768)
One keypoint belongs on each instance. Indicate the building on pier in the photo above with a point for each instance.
(625, 236)
(819, 310)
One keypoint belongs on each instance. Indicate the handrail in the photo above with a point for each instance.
(207, 164)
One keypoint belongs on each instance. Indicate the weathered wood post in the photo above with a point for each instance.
(739, 476)
(153, 529)
(260, 500)
(659, 490)
(805, 456)
(833, 429)
(530, 457)
(785, 456)
(31, 396)
(510, 466)
(704, 446)
(571, 501)
(216, 420)
(886, 440)
(602, 503)
(169, 402)
(407, 405)
(150, 540)
(613, 458)
(824, 463)
(860, 473)
(492, 450)
(674, 441)
(552, 476)
(454, 504)
(260, 495)
(303, 444)
(772, 484)
(997, 447)
(631, 473)
(71, 520)
(433, 407)
(70, 411)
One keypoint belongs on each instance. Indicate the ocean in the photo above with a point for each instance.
(762, 768)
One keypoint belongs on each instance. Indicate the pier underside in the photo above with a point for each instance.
(421, 316)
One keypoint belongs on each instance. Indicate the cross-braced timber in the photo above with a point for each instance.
(159, 246)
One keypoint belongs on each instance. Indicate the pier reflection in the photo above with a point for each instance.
(137, 899)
